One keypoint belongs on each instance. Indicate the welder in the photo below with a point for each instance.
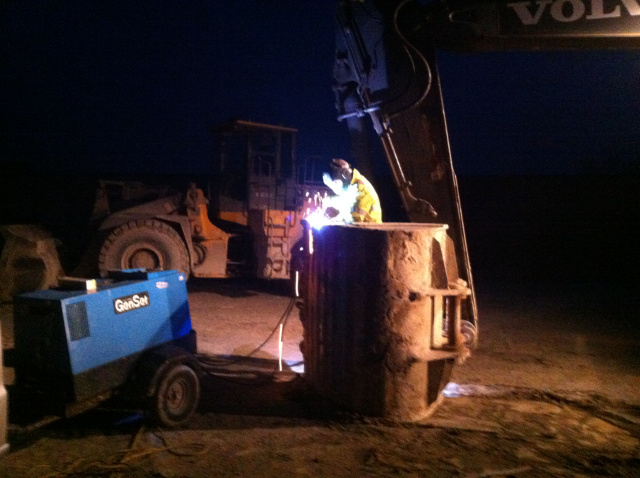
(349, 183)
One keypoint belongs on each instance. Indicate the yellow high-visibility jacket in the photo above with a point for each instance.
(367, 206)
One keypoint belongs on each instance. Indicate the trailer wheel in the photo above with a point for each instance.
(177, 396)
(144, 243)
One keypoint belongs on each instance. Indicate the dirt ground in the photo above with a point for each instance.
(553, 390)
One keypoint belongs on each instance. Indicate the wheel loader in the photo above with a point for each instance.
(243, 219)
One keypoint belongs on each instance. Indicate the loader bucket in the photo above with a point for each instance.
(28, 261)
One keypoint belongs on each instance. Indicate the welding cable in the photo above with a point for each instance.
(283, 319)
(119, 463)
(213, 362)
(239, 377)
(135, 452)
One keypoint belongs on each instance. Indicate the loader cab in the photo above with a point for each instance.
(254, 168)
(255, 195)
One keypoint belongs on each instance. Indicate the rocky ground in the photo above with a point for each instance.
(552, 390)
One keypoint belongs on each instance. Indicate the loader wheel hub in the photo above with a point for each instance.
(145, 258)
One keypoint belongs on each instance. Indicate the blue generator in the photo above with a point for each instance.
(129, 332)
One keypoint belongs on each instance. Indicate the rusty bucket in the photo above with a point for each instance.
(382, 317)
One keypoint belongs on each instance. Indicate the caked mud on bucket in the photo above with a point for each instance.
(382, 317)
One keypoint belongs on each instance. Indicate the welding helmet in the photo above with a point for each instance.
(341, 171)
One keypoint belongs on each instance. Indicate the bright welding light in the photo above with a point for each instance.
(317, 219)
(344, 202)
(334, 184)
(335, 209)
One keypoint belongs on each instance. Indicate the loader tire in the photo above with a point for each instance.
(144, 243)
(177, 396)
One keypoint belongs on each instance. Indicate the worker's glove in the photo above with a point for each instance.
(332, 213)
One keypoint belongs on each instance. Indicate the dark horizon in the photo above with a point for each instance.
(136, 88)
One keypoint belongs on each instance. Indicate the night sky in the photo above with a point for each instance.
(135, 87)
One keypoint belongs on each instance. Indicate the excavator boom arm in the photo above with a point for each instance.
(386, 77)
